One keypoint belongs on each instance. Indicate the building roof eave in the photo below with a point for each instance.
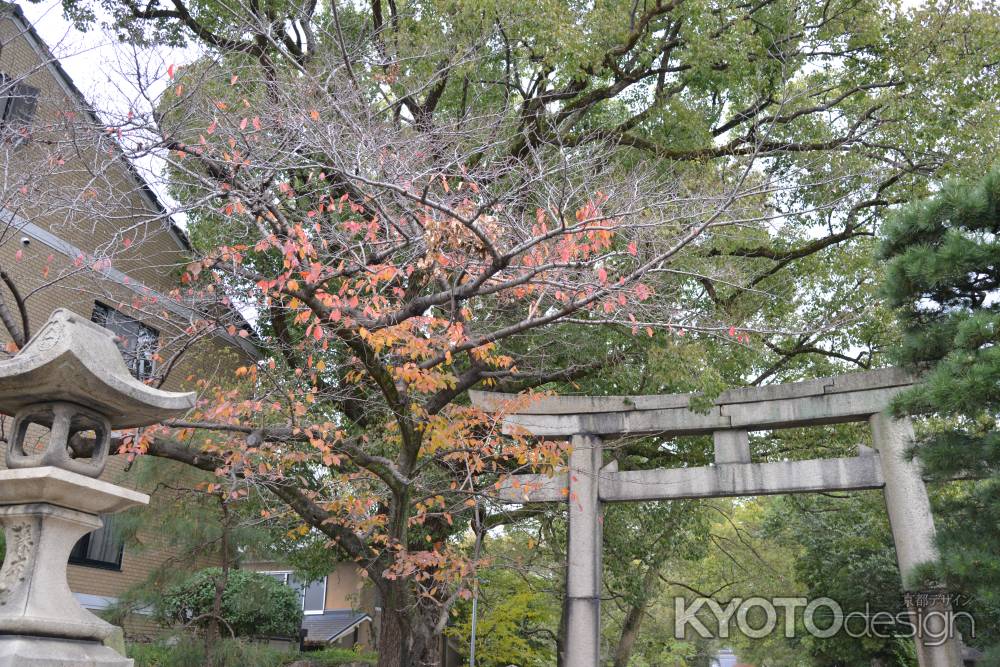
(358, 621)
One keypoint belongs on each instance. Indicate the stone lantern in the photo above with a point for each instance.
(71, 379)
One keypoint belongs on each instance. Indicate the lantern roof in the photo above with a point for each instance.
(71, 359)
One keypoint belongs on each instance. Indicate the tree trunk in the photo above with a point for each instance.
(426, 646)
(407, 637)
(630, 632)
(561, 634)
(214, 633)
(392, 639)
(633, 619)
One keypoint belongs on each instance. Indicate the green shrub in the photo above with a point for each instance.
(339, 656)
(190, 652)
(149, 655)
(253, 604)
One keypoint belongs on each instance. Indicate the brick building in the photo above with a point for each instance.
(80, 229)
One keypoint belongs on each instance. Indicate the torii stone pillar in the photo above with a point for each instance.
(70, 378)
(912, 523)
(584, 569)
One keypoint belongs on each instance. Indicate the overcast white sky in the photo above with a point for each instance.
(89, 58)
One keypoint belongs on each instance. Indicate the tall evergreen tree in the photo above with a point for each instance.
(944, 275)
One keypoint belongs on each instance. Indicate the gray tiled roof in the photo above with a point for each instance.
(331, 624)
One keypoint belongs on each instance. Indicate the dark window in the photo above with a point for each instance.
(101, 548)
(136, 340)
(313, 594)
(17, 108)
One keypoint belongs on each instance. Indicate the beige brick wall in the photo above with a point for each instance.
(74, 185)
(345, 588)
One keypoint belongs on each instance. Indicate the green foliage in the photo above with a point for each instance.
(226, 653)
(188, 520)
(742, 560)
(150, 655)
(518, 612)
(229, 653)
(943, 277)
(339, 656)
(195, 525)
(845, 553)
(253, 604)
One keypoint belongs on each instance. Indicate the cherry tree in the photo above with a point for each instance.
(387, 272)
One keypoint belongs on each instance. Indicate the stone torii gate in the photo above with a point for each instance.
(588, 420)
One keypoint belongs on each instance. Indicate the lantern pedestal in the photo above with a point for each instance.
(44, 511)
(44, 652)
